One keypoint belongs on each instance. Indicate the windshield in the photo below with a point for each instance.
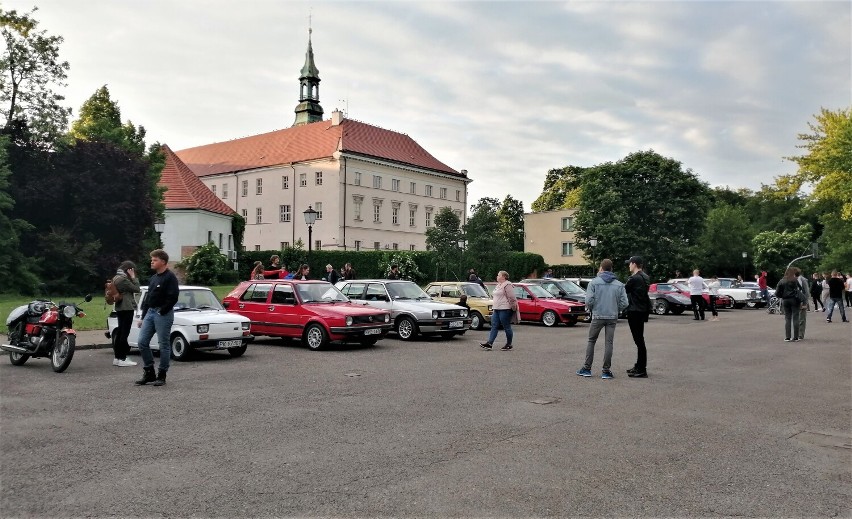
(682, 287)
(197, 299)
(319, 293)
(406, 290)
(540, 291)
(474, 291)
(570, 287)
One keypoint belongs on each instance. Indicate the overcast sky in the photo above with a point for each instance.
(505, 90)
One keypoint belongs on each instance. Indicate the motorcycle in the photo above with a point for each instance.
(43, 329)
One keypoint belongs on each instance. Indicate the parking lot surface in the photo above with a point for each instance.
(732, 422)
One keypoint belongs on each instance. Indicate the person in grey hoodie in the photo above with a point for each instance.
(605, 299)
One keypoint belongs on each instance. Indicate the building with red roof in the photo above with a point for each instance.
(372, 188)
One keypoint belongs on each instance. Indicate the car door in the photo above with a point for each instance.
(284, 316)
(525, 304)
(254, 305)
(355, 292)
(377, 297)
(450, 294)
(133, 336)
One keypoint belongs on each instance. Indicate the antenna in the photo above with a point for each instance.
(346, 107)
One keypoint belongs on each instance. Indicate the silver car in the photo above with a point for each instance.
(412, 310)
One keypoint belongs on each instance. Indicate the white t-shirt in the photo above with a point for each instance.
(696, 285)
(849, 284)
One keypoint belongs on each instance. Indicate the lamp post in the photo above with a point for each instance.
(310, 219)
(745, 255)
(593, 242)
(159, 226)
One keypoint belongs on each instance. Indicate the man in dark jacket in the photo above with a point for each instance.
(158, 315)
(637, 313)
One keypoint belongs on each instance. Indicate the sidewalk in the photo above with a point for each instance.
(86, 340)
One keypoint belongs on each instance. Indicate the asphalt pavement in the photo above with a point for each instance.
(731, 422)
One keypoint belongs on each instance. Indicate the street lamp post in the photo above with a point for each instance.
(745, 255)
(310, 219)
(593, 242)
(159, 226)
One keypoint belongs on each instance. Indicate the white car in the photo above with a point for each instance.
(412, 310)
(201, 323)
(740, 295)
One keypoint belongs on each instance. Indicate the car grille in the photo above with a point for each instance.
(450, 313)
(368, 319)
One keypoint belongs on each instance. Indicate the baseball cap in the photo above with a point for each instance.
(635, 259)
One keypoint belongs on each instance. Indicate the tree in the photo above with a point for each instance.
(31, 69)
(407, 262)
(482, 231)
(511, 214)
(444, 237)
(206, 265)
(727, 234)
(644, 204)
(16, 272)
(773, 250)
(561, 189)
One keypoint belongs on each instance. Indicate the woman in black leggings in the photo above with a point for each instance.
(816, 292)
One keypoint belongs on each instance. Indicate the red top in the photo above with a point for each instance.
(761, 281)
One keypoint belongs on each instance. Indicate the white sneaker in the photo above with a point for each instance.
(123, 363)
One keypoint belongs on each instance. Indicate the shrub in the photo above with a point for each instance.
(206, 265)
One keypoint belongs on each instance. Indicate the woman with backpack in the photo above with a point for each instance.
(127, 283)
(789, 291)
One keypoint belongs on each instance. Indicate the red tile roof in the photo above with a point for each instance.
(309, 142)
(185, 190)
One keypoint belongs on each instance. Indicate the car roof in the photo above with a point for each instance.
(450, 282)
(377, 281)
(184, 287)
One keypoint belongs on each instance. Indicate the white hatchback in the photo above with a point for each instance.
(201, 323)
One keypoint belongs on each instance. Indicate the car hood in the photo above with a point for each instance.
(342, 309)
(557, 303)
(423, 304)
(190, 317)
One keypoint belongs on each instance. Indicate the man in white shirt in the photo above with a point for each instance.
(696, 291)
(849, 290)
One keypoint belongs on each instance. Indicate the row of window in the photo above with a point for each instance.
(358, 245)
(303, 182)
(285, 213)
(221, 236)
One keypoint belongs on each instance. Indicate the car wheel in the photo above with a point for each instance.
(661, 307)
(549, 318)
(406, 328)
(238, 351)
(476, 321)
(180, 348)
(315, 337)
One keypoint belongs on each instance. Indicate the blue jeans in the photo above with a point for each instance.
(499, 317)
(162, 325)
(838, 303)
(608, 325)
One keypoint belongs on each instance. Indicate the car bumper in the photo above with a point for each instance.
(349, 333)
(221, 344)
(444, 325)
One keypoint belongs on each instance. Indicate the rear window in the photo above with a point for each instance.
(257, 293)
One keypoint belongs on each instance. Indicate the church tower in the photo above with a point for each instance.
(308, 110)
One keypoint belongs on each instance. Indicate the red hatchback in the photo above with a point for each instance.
(537, 304)
(313, 311)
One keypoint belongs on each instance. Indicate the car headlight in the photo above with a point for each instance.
(246, 325)
(464, 312)
(387, 318)
(434, 314)
(69, 311)
(348, 320)
(202, 328)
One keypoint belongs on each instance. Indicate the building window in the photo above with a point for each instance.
(412, 214)
(259, 189)
(285, 182)
(230, 242)
(209, 236)
(220, 241)
(245, 214)
(428, 190)
(395, 214)
(356, 207)
(457, 213)
(357, 180)
(257, 247)
(567, 248)
(429, 217)
(303, 179)
(458, 195)
(318, 244)
(411, 247)
(443, 193)
(376, 245)
(245, 187)
(259, 215)
(377, 212)
(412, 188)
(318, 179)
(567, 225)
(357, 245)
(213, 188)
(395, 184)
(285, 244)
(318, 209)
(377, 181)
(395, 246)
(224, 190)
(283, 213)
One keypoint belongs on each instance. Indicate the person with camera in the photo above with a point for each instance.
(127, 284)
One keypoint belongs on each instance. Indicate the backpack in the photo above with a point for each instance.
(111, 293)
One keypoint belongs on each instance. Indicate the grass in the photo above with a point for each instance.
(96, 310)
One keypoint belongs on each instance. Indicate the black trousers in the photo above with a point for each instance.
(713, 305)
(817, 302)
(697, 306)
(119, 345)
(636, 321)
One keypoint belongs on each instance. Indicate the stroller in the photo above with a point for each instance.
(774, 306)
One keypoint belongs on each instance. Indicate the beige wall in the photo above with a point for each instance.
(544, 234)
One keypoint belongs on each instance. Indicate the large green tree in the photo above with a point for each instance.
(482, 231)
(561, 189)
(511, 214)
(30, 73)
(444, 238)
(16, 271)
(727, 235)
(644, 204)
(773, 250)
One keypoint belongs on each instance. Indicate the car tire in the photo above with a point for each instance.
(549, 318)
(476, 321)
(661, 307)
(315, 337)
(238, 351)
(180, 348)
(406, 328)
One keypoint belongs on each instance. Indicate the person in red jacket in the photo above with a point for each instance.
(276, 271)
(764, 290)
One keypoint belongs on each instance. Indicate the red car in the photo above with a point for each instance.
(313, 311)
(537, 304)
(680, 288)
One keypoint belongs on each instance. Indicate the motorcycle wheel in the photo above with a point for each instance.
(18, 359)
(63, 352)
(15, 334)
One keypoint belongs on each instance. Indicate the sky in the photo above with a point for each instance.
(505, 90)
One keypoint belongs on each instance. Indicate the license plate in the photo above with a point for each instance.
(372, 331)
(230, 344)
(456, 324)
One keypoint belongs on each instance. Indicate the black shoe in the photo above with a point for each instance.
(638, 374)
(147, 376)
(506, 347)
(485, 346)
(632, 370)
(161, 379)
(695, 319)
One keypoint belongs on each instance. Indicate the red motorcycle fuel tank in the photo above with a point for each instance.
(49, 317)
